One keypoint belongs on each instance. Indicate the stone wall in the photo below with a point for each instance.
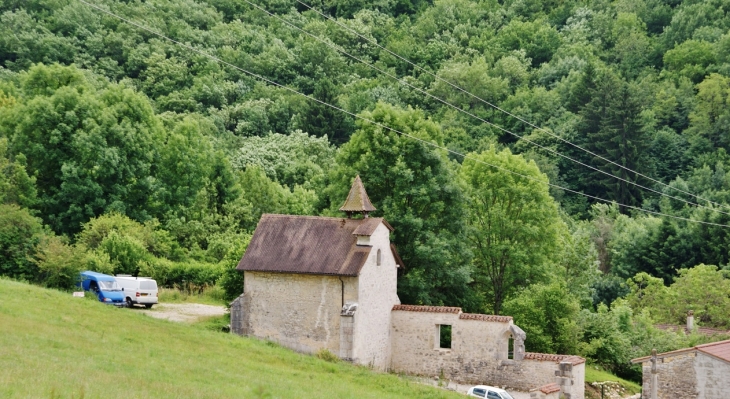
(478, 353)
(299, 311)
(676, 376)
(377, 293)
(713, 377)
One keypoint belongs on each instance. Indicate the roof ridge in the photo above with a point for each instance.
(317, 217)
(707, 345)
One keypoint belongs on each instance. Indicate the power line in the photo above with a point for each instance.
(501, 109)
(475, 116)
(380, 124)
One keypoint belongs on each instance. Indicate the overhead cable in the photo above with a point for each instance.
(550, 150)
(498, 108)
(434, 145)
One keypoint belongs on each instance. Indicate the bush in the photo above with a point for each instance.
(59, 264)
(547, 314)
(327, 356)
(190, 277)
(20, 232)
(231, 280)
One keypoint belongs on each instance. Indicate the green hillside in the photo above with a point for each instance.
(562, 162)
(56, 346)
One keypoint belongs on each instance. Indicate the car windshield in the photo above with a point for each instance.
(109, 286)
(505, 395)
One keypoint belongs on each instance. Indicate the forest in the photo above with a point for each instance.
(559, 161)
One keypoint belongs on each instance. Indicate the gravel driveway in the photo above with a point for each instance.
(182, 312)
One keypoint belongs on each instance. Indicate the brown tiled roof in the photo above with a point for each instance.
(720, 350)
(550, 388)
(398, 260)
(357, 200)
(431, 309)
(706, 331)
(485, 317)
(306, 244)
(549, 357)
(368, 225)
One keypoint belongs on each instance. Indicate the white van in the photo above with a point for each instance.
(138, 290)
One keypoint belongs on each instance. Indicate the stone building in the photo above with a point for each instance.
(313, 283)
(701, 372)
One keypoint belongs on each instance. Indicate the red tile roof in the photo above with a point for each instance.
(485, 317)
(720, 350)
(550, 388)
(549, 357)
(307, 245)
(430, 309)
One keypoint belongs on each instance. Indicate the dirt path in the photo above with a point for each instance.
(182, 312)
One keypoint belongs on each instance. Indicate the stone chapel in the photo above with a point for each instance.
(313, 283)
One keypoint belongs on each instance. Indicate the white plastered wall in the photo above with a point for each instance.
(713, 377)
(377, 294)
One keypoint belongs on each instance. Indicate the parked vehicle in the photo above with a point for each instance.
(138, 290)
(485, 391)
(104, 286)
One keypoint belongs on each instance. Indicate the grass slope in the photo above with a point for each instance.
(596, 374)
(56, 346)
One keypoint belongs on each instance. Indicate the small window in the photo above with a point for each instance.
(510, 348)
(379, 258)
(480, 392)
(444, 336)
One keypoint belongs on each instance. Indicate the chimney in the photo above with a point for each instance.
(690, 321)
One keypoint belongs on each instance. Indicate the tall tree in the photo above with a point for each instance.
(415, 189)
(321, 120)
(513, 225)
(612, 128)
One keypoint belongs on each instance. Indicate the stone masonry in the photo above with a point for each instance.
(319, 283)
(479, 352)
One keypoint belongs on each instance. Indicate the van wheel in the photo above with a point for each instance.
(129, 303)
(148, 305)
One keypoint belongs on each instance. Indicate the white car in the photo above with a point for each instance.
(138, 290)
(485, 391)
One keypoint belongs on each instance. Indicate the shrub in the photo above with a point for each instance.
(20, 232)
(59, 264)
(327, 356)
(191, 277)
(125, 252)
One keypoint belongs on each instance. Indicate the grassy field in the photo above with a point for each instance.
(56, 346)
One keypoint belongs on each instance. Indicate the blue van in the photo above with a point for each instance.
(104, 286)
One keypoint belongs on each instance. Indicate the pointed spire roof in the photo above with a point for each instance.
(357, 200)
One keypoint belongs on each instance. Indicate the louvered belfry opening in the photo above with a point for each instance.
(357, 200)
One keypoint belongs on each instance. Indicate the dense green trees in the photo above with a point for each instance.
(121, 151)
(415, 188)
(90, 150)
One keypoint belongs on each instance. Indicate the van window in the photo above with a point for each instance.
(109, 286)
(148, 285)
